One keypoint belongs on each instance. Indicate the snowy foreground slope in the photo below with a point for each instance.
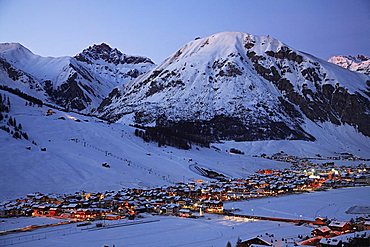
(168, 231)
(76, 146)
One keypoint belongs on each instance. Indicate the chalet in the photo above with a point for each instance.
(73, 206)
(255, 241)
(363, 179)
(54, 212)
(212, 206)
(31, 195)
(40, 198)
(40, 210)
(14, 211)
(112, 217)
(321, 231)
(26, 211)
(320, 221)
(83, 213)
(170, 209)
(185, 213)
(367, 225)
(340, 226)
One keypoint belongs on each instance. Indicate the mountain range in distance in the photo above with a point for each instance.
(228, 86)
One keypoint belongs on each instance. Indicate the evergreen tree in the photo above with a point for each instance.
(10, 121)
(16, 135)
(25, 136)
(228, 244)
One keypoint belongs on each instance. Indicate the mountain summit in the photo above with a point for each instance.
(359, 63)
(106, 53)
(76, 83)
(240, 86)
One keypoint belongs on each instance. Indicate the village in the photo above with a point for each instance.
(194, 199)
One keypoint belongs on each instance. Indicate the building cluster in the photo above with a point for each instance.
(357, 239)
(187, 199)
(284, 157)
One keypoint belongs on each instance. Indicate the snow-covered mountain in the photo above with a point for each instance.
(227, 86)
(243, 87)
(359, 63)
(76, 83)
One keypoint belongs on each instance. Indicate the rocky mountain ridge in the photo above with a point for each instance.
(242, 87)
(76, 83)
(359, 63)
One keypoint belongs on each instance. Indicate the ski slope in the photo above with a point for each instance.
(77, 146)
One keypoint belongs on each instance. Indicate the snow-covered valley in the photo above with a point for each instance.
(77, 146)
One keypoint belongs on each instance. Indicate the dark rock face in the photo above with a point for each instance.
(353, 109)
(69, 94)
(336, 105)
(286, 53)
(13, 73)
(18, 75)
(108, 100)
(106, 53)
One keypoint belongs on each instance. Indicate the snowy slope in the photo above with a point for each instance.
(359, 63)
(76, 146)
(77, 83)
(256, 83)
(75, 151)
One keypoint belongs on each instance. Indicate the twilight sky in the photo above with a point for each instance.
(158, 28)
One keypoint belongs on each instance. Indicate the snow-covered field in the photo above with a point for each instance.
(14, 223)
(69, 166)
(331, 204)
(168, 231)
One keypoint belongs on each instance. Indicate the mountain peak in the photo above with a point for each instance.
(10, 46)
(102, 48)
(257, 84)
(110, 55)
(224, 44)
(359, 63)
(6, 48)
